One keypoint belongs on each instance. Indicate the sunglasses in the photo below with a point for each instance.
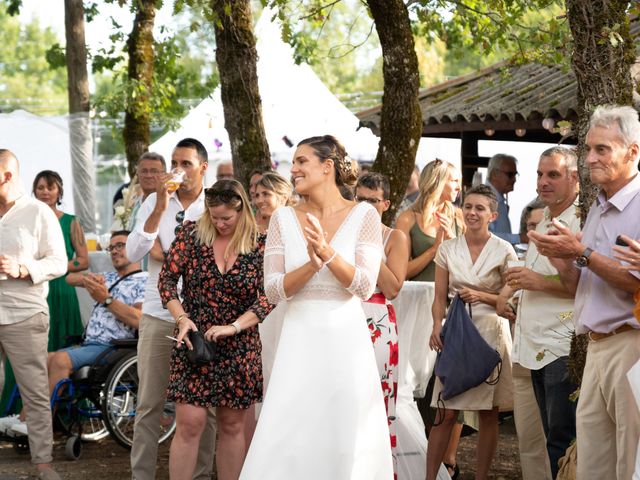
(510, 174)
(116, 246)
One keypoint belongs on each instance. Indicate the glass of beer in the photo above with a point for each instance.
(92, 242)
(174, 182)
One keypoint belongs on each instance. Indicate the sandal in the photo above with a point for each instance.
(452, 468)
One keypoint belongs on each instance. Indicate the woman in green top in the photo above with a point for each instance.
(64, 310)
(432, 218)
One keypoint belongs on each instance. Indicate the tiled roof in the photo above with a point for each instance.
(500, 93)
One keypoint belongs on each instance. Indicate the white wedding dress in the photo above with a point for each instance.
(323, 416)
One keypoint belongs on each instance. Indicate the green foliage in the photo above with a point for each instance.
(55, 56)
(26, 81)
(183, 69)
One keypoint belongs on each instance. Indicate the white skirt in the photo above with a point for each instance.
(323, 417)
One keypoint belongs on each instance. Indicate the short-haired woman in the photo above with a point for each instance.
(473, 265)
(219, 260)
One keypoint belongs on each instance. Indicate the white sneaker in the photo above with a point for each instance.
(7, 422)
(20, 428)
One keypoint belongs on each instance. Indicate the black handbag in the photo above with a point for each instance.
(466, 359)
(203, 351)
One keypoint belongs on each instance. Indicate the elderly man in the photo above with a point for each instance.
(543, 327)
(116, 315)
(501, 177)
(158, 217)
(150, 165)
(608, 424)
(31, 253)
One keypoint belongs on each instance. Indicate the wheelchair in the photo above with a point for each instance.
(99, 400)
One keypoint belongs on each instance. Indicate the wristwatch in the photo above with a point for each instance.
(107, 301)
(583, 260)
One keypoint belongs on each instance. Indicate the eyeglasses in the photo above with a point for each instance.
(180, 216)
(116, 246)
(372, 201)
(149, 171)
(510, 174)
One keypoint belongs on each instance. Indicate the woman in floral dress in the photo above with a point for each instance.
(219, 259)
(374, 188)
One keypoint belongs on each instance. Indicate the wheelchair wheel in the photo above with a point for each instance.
(73, 448)
(119, 399)
(119, 403)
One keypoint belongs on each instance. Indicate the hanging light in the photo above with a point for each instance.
(489, 132)
(521, 132)
(548, 123)
(565, 130)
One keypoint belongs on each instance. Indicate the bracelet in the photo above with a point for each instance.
(180, 317)
(331, 257)
(237, 327)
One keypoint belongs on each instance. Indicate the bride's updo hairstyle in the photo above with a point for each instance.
(328, 147)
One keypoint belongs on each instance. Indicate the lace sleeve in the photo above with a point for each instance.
(368, 256)
(274, 260)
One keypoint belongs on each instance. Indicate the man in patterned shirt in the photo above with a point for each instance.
(116, 315)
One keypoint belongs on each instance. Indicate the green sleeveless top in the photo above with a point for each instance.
(65, 223)
(419, 243)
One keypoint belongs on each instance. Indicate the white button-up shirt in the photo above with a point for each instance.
(544, 323)
(30, 232)
(139, 243)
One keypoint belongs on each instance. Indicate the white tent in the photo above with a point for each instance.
(40, 143)
(295, 105)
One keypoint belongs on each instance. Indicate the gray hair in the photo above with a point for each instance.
(155, 157)
(570, 157)
(497, 160)
(626, 118)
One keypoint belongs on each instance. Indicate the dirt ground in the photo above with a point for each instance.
(107, 460)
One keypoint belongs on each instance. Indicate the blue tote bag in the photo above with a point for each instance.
(466, 359)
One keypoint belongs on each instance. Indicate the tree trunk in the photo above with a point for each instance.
(236, 57)
(601, 62)
(401, 118)
(137, 117)
(80, 140)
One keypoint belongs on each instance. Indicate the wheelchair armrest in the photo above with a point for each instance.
(125, 342)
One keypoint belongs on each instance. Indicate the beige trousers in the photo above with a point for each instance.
(154, 355)
(608, 421)
(25, 344)
(532, 443)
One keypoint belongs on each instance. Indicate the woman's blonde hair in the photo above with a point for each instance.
(230, 194)
(432, 181)
(276, 183)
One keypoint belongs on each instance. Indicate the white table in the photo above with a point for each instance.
(99, 262)
(416, 360)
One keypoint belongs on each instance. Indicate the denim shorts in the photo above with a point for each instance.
(85, 354)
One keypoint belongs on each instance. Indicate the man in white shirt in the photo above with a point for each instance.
(158, 217)
(32, 252)
(544, 323)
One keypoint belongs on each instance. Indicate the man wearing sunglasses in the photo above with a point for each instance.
(501, 177)
(156, 223)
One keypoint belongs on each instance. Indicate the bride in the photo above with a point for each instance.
(323, 415)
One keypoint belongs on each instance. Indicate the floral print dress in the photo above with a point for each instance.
(210, 298)
(381, 320)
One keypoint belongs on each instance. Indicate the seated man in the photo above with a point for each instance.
(116, 315)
